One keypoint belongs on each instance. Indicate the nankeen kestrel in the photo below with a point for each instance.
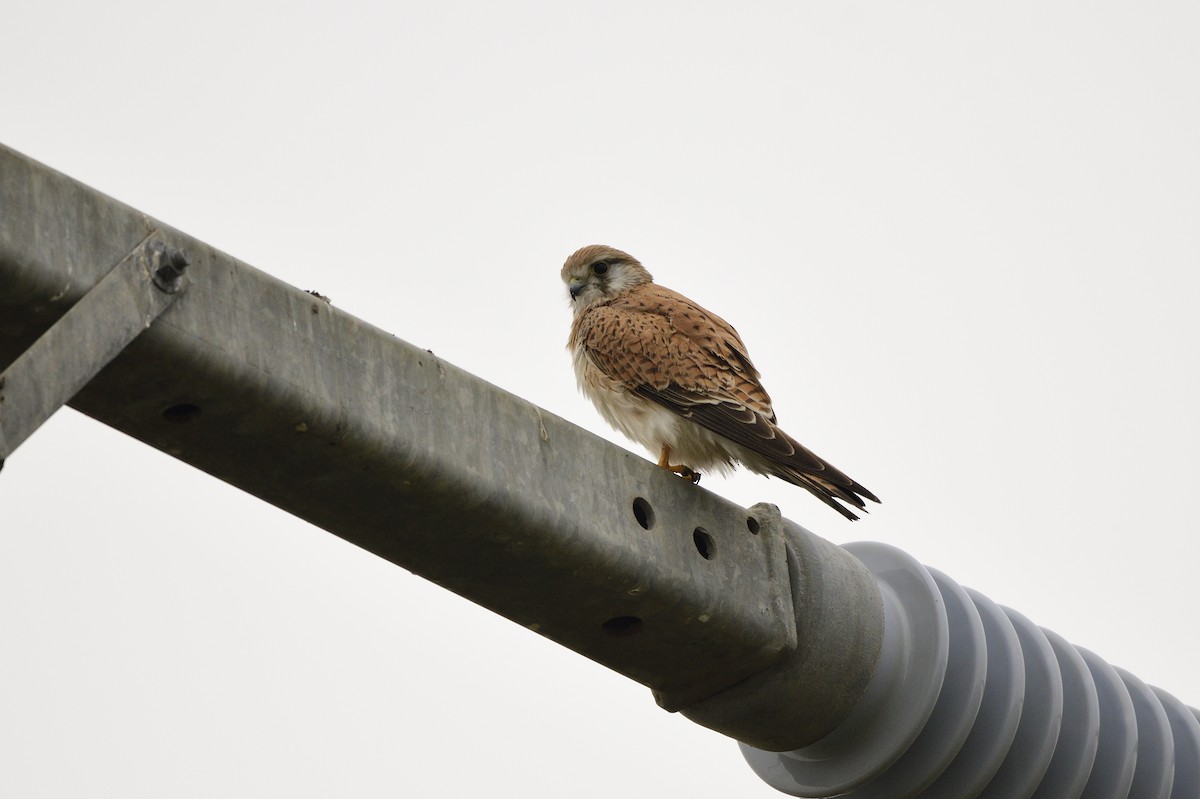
(676, 378)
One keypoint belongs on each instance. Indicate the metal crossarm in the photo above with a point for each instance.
(289, 398)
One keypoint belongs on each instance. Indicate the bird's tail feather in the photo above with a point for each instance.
(827, 492)
(826, 482)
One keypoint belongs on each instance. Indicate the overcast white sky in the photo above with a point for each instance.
(960, 240)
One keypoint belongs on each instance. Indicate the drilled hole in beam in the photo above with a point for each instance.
(752, 525)
(622, 625)
(182, 413)
(643, 513)
(704, 543)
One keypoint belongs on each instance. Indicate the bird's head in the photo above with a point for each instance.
(597, 273)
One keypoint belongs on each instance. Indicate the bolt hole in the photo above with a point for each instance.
(622, 625)
(643, 513)
(752, 525)
(182, 413)
(704, 543)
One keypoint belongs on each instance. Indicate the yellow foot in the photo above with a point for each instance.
(686, 472)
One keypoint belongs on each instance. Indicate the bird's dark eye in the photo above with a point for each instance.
(600, 267)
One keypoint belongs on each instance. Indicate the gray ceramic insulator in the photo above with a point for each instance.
(973, 700)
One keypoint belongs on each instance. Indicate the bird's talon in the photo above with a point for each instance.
(686, 472)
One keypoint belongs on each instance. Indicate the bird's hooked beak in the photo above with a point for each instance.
(576, 287)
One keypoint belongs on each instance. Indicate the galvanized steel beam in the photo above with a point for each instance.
(386, 445)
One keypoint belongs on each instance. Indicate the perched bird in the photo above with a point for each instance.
(676, 378)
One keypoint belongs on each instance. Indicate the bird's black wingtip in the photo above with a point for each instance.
(865, 494)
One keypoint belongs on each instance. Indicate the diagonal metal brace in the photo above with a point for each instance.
(66, 357)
